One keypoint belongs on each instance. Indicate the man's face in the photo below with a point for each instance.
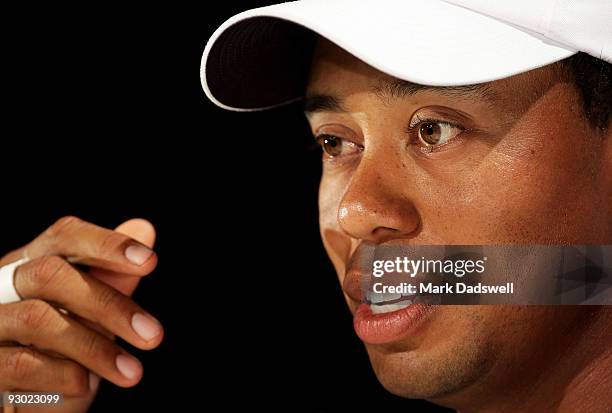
(511, 162)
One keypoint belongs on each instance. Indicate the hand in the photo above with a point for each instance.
(43, 347)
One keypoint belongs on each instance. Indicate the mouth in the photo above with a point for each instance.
(384, 318)
(387, 318)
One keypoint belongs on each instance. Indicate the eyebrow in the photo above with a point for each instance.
(397, 88)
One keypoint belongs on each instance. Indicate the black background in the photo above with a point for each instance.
(104, 118)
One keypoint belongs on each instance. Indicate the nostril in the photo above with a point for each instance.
(383, 234)
(384, 229)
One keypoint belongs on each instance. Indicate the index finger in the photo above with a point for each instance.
(81, 242)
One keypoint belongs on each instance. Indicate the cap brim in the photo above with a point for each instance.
(260, 58)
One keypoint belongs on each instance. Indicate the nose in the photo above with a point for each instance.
(376, 206)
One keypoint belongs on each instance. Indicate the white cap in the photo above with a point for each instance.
(260, 58)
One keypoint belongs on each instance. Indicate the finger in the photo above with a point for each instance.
(85, 243)
(37, 323)
(25, 369)
(53, 279)
(140, 230)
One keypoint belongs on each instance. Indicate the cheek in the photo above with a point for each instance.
(331, 191)
(337, 244)
(548, 190)
(539, 184)
(328, 203)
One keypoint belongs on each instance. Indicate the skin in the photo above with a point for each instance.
(525, 168)
(68, 351)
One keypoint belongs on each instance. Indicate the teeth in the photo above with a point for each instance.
(392, 297)
(387, 308)
(377, 298)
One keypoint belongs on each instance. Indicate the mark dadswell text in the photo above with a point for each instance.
(463, 288)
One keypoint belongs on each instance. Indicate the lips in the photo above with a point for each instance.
(389, 327)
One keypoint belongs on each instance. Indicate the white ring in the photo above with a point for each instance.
(8, 293)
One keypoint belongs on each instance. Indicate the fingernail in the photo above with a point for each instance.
(94, 380)
(138, 254)
(146, 326)
(128, 366)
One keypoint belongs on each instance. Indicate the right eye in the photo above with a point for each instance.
(334, 146)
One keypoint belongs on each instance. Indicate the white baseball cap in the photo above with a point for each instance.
(260, 58)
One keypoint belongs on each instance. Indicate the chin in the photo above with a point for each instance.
(431, 370)
(403, 374)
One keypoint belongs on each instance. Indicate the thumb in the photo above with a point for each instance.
(142, 231)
